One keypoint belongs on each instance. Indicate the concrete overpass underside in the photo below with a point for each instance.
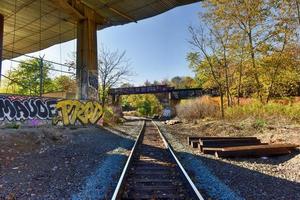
(28, 26)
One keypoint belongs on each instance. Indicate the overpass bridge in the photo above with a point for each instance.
(168, 96)
(174, 94)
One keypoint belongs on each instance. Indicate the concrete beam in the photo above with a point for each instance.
(68, 9)
(75, 9)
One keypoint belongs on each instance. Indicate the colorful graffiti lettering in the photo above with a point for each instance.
(36, 110)
(71, 111)
(14, 109)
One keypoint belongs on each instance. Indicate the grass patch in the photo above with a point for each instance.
(259, 124)
(262, 111)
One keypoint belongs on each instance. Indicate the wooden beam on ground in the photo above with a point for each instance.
(201, 138)
(212, 150)
(189, 139)
(256, 150)
(229, 142)
(195, 143)
(207, 138)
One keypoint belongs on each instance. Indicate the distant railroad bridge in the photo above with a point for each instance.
(174, 94)
(168, 96)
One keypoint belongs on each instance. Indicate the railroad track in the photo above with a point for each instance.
(152, 170)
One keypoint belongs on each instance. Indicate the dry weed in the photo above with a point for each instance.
(198, 108)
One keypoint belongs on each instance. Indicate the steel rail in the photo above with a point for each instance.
(120, 182)
(179, 164)
(182, 170)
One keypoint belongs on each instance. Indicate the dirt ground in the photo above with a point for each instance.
(241, 178)
(85, 163)
(63, 163)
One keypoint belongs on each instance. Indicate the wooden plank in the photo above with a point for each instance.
(269, 146)
(189, 139)
(256, 150)
(201, 139)
(193, 140)
(252, 153)
(212, 150)
(229, 142)
(195, 144)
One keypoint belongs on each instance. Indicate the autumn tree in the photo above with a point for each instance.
(254, 41)
(181, 82)
(210, 56)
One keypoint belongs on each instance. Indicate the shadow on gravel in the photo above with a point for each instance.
(246, 183)
(58, 170)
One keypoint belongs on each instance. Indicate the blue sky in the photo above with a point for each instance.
(157, 46)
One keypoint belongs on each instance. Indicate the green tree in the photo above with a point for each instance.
(26, 77)
(146, 104)
(64, 83)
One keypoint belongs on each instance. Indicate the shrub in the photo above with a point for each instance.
(108, 115)
(259, 123)
(198, 108)
(13, 125)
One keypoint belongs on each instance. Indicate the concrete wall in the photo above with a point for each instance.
(36, 111)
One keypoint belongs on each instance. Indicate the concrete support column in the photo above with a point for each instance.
(173, 104)
(87, 70)
(1, 42)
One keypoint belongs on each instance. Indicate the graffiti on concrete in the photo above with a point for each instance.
(93, 84)
(38, 111)
(72, 111)
(93, 79)
(16, 109)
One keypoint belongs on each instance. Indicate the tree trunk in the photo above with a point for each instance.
(298, 9)
(103, 96)
(229, 102)
(239, 84)
(258, 85)
(222, 102)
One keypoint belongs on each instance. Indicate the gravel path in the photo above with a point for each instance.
(82, 164)
(271, 178)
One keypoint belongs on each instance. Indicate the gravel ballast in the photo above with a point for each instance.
(84, 163)
(247, 178)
